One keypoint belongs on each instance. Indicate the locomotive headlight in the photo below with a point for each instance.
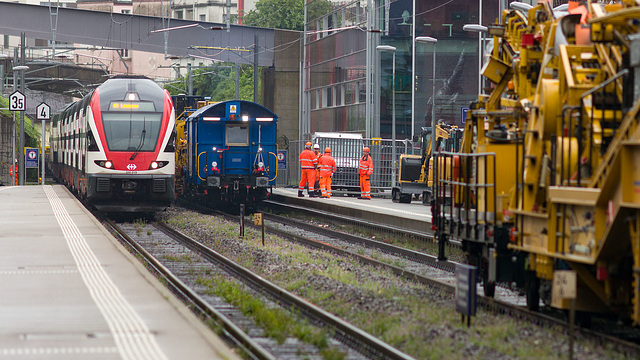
(157, 164)
(214, 164)
(107, 164)
(259, 149)
(245, 117)
(215, 148)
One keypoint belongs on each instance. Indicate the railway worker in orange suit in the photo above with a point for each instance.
(327, 166)
(308, 164)
(316, 185)
(13, 174)
(365, 170)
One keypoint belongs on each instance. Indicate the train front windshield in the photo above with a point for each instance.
(132, 110)
(132, 131)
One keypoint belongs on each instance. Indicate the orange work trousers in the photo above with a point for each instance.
(307, 175)
(325, 186)
(365, 186)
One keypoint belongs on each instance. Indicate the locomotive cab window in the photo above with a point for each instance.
(237, 135)
(132, 132)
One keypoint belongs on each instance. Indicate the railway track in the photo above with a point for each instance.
(444, 286)
(506, 301)
(345, 335)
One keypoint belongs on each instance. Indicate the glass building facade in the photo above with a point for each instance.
(348, 86)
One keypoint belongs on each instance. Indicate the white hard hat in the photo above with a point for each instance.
(316, 146)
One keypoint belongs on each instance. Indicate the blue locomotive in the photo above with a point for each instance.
(227, 153)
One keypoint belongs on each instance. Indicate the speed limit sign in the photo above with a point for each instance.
(17, 101)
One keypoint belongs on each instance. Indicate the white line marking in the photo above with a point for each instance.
(59, 350)
(131, 334)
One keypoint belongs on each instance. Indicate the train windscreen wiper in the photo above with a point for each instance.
(142, 135)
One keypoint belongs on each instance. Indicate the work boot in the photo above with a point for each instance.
(312, 194)
(300, 194)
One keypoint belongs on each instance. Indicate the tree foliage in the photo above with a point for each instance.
(277, 14)
(217, 82)
(286, 14)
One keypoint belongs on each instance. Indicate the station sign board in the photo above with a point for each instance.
(31, 157)
(282, 159)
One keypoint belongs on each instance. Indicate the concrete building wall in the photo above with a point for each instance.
(281, 83)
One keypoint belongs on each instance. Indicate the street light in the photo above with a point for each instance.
(22, 170)
(393, 110)
(482, 30)
(434, 41)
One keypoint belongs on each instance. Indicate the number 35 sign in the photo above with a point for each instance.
(17, 101)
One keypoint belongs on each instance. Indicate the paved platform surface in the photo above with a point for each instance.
(69, 290)
(414, 216)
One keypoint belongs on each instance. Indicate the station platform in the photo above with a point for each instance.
(380, 210)
(71, 291)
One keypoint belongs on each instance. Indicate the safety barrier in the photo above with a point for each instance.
(347, 153)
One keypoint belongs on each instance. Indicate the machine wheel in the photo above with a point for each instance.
(405, 198)
(533, 295)
(489, 288)
(426, 198)
(395, 195)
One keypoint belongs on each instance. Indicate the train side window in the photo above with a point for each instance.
(237, 135)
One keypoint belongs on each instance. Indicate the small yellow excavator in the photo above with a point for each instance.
(414, 178)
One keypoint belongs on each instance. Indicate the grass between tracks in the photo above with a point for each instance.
(417, 320)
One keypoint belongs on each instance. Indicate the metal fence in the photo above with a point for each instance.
(347, 153)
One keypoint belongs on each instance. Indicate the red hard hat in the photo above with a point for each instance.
(366, 149)
(308, 145)
(327, 150)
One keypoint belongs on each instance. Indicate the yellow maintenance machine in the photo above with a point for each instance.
(413, 177)
(184, 106)
(549, 177)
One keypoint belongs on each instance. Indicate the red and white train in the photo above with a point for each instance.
(115, 147)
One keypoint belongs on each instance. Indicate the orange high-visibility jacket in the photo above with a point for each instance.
(366, 165)
(308, 160)
(327, 165)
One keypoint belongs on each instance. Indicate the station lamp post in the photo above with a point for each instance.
(482, 30)
(21, 172)
(434, 41)
(392, 49)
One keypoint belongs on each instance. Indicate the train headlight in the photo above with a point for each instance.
(245, 118)
(107, 164)
(157, 165)
(214, 164)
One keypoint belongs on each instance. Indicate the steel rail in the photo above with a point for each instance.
(425, 236)
(234, 334)
(413, 255)
(373, 346)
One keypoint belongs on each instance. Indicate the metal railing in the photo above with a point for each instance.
(347, 153)
(464, 194)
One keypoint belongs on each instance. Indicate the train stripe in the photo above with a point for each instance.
(133, 338)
